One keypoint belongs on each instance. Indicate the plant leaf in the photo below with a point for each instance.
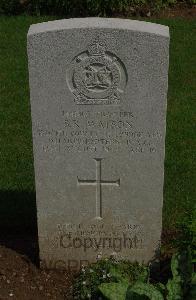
(130, 295)
(181, 267)
(114, 291)
(192, 293)
(118, 276)
(174, 288)
(147, 290)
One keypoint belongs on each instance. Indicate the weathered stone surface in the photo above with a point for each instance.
(98, 98)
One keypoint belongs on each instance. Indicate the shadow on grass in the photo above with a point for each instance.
(18, 223)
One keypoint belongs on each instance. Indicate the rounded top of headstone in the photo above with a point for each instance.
(91, 23)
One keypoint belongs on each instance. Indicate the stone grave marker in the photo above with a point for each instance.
(98, 92)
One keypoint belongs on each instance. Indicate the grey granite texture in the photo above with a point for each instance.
(98, 92)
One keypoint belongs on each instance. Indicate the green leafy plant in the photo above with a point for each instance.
(107, 271)
(192, 293)
(187, 234)
(176, 288)
(122, 280)
(181, 267)
(124, 290)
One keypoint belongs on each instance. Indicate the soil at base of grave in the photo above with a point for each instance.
(22, 280)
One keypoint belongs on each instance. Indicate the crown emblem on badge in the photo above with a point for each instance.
(96, 49)
(96, 76)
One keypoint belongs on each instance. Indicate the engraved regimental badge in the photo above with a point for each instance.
(97, 76)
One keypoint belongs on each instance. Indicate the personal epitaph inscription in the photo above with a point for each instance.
(98, 182)
(98, 103)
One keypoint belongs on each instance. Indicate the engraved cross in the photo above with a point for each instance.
(98, 182)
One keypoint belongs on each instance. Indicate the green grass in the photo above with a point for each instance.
(17, 197)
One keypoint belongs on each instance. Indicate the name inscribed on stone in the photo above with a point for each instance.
(87, 131)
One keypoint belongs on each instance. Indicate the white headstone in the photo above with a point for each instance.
(98, 102)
